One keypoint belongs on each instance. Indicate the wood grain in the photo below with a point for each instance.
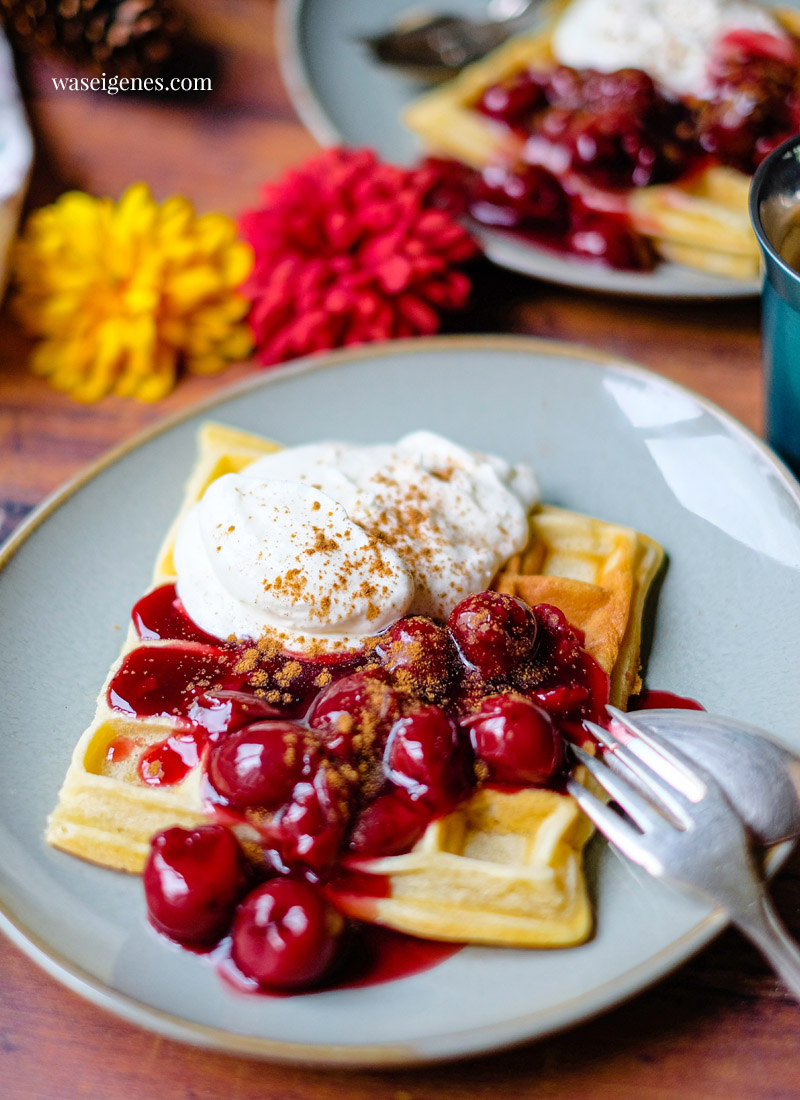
(720, 1028)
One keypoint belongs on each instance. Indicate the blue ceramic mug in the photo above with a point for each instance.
(775, 213)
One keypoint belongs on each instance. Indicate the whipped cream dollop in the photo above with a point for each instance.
(329, 543)
(672, 40)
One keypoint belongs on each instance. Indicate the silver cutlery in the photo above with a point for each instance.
(760, 777)
(685, 831)
(433, 47)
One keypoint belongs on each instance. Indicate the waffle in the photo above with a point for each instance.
(504, 867)
(105, 812)
(700, 222)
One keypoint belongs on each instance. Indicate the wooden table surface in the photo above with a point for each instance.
(721, 1027)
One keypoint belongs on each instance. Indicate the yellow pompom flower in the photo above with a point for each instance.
(123, 295)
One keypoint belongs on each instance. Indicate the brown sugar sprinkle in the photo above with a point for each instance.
(482, 772)
(269, 645)
(339, 786)
(248, 660)
(290, 671)
(371, 779)
(344, 723)
(290, 754)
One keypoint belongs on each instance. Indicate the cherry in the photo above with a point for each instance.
(389, 825)
(516, 739)
(311, 828)
(445, 183)
(421, 657)
(220, 712)
(193, 880)
(524, 196)
(513, 100)
(493, 632)
(565, 88)
(355, 713)
(632, 87)
(260, 764)
(424, 757)
(286, 935)
(617, 128)
(611, 239)
(561, 700)
(552, 623)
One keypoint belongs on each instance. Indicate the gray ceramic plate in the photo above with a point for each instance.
(606, 438)
(342, 95)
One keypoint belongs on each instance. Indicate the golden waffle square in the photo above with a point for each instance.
(105, 812)
(598, 574)
(700, 222)
(504, 867)
(703, 222)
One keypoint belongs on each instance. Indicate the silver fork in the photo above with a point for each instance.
(688, 834)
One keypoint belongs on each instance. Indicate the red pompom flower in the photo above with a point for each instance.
(350, 250)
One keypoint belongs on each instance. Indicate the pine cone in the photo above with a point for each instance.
(123, 37)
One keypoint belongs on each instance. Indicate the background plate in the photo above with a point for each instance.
(607, 439)
(342, 95)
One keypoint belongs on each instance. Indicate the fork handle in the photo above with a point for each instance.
(762, 925)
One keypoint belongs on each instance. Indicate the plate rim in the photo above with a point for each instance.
(297, 81)
(453, 1045)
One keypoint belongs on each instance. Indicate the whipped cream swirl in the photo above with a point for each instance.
(327, 544)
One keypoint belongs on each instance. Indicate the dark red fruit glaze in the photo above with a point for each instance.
(170, 761)
(578, 138)
(119, 749)
(165, 680)
(383, 955)
(662, 700)
(286, 935)
(193, 881)
(161, 614)
(345, 756)
(373, 956)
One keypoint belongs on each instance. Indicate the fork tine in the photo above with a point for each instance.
(690, 777)
(634, 805)
(611, 825)
(652, 778)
